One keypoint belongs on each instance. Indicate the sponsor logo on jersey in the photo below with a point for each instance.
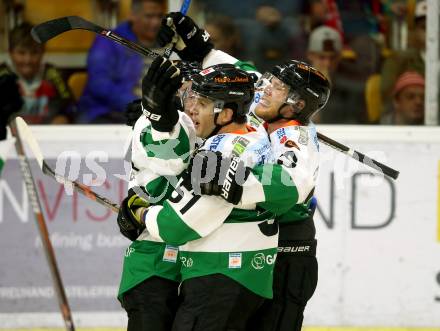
(288, 159)
(215, 142)
(206, 71)
(291, 144)
(314, 136)
(303, 135)
(234, 260)
(187, 262)
(129, 251)
(170, 254)
(260, 260)
(236, 93)
(281, 135)
(239, 147)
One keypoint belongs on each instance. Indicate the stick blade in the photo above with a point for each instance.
(50, 29)
(27, 136)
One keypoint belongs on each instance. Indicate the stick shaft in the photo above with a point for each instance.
(81, 188)
(362, 158)
(44, 233)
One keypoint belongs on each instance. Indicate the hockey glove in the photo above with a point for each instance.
(10, 100)
(130, 224)
(159, 87)
(212, 174)
(191, 42)
(133, 111)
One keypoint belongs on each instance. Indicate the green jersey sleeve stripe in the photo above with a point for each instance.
(159, 189)
(280, 191)
(170, 227)
(167, 149)
(246, 66)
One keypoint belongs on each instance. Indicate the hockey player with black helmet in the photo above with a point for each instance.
(288, 97)
(292, 90)
(286, 100)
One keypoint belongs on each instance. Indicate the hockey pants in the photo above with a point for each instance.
(151, 305)
(295, 280)
(215, 303)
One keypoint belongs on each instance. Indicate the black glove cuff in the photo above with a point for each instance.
(197, 50)
(167, 121)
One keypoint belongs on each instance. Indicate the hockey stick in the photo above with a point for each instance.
(28, 137)
(50, 29)
(358, 156)
(44, 233)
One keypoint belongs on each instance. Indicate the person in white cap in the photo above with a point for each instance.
(324, 49)
(324, 53)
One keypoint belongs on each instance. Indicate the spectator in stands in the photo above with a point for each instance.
(345, 105)
(46, 96)
(115, 72)
(412, 59)
(224, 35)
(272, 43)
(313, 15)
(408, 100)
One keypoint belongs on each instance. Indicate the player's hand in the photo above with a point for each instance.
(133, 111)
(213, 174)
(130, 221)
(190, 42)
(159, 86)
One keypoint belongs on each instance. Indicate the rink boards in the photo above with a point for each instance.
(378, 239)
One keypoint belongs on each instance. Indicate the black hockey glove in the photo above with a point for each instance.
(130, 225)
(133, 111)
(191, 42)
(159, 87)
(10, 101)
(212, 174)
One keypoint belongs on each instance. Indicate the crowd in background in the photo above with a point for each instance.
(376, 77)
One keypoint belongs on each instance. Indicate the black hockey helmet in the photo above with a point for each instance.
(227, 86)
(307, 82)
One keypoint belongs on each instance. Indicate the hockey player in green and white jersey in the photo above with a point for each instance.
(162, 140)
(289, 97)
